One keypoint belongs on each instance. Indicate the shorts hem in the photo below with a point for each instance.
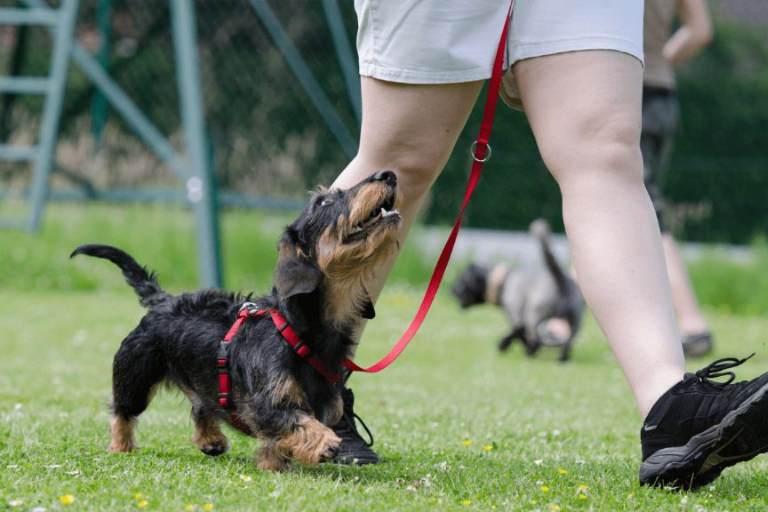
(424, 77)
(521, 51)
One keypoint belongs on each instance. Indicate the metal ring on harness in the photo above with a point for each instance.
(473, 152)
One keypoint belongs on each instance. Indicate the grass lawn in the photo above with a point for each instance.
(458, 426)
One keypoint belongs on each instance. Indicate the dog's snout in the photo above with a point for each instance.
(389, 177)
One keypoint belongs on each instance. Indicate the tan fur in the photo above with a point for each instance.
(493, 283)
(122, 435)
(270, 458)
(208, 435)
(365, 201)
(334, 415)
(310, 443)
(288, 391)
(348, 266)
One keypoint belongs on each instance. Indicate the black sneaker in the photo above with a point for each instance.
(353, 450)
(697, 345)
(700, 427)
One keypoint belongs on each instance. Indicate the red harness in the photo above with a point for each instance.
(248, 310)
(481, 152)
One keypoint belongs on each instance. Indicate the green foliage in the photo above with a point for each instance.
(732, 286)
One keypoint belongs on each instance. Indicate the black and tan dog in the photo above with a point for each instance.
(324, 257)
(530, 296)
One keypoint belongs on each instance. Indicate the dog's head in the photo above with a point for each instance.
(338, 241)
(470, 287)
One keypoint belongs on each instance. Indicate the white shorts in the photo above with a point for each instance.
(449, 41)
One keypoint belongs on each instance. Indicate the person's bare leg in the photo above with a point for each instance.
(410, 129)
(584, 109)
(683, 297)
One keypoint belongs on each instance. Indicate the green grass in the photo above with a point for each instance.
(459, 427)
(163, 238)
(159, 236)
(548, 428)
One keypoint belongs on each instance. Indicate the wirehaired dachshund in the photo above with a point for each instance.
(324, 257)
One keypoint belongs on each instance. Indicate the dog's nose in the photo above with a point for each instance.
(386, 176)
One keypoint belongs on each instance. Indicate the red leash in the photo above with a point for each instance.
(481, 152)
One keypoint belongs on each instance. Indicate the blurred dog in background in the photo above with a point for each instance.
(534, 298)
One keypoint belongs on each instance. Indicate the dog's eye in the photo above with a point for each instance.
(326, 202)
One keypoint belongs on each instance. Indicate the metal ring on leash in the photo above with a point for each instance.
(472, 151)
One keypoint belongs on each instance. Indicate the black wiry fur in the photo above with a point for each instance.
(277, 395)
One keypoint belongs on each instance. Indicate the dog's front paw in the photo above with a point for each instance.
(271, 458)
(215, 448)
(212, 444)
(120, 447)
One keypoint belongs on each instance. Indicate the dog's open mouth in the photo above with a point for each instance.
(384, 214)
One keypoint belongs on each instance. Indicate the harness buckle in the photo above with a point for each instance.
(302, 349)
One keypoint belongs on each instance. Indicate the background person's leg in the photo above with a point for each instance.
(584, 109)
(683, 297)
(410, 129)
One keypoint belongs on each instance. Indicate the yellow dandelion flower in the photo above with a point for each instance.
(142, 503)
(487, 447)
(554, 507)
(208, 507)
(583, 488)
(189, 507)
(467, 442)
(583, 497)
(67, 499)
(562, 471)
(138, 496)
(466, 503)
(544, 488)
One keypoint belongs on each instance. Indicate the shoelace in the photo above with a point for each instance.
(718, 369)
(349, 418)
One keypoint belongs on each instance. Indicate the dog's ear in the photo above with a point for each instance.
(295, 273)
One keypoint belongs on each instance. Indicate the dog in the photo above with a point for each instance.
(530, 297)
(323, 259)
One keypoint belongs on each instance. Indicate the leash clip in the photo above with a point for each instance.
(473, 152)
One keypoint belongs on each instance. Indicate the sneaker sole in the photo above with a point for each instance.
(699, 462)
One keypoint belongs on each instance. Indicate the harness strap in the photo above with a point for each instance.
(481, 152)
(301, 349)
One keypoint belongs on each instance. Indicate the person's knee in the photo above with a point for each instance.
(600, 148)
(416, 163)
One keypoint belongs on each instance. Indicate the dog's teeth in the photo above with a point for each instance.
(386, 213)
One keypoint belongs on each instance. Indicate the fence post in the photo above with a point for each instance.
(200, 190)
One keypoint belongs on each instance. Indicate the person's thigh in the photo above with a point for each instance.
(585, 110)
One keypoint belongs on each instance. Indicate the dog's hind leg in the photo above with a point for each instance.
(137, 370)
(565, 352)
(507, 340)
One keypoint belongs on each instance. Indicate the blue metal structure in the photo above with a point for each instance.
(61, 22)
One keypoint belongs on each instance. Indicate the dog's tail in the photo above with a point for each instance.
(143, 282)
(540, 229)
